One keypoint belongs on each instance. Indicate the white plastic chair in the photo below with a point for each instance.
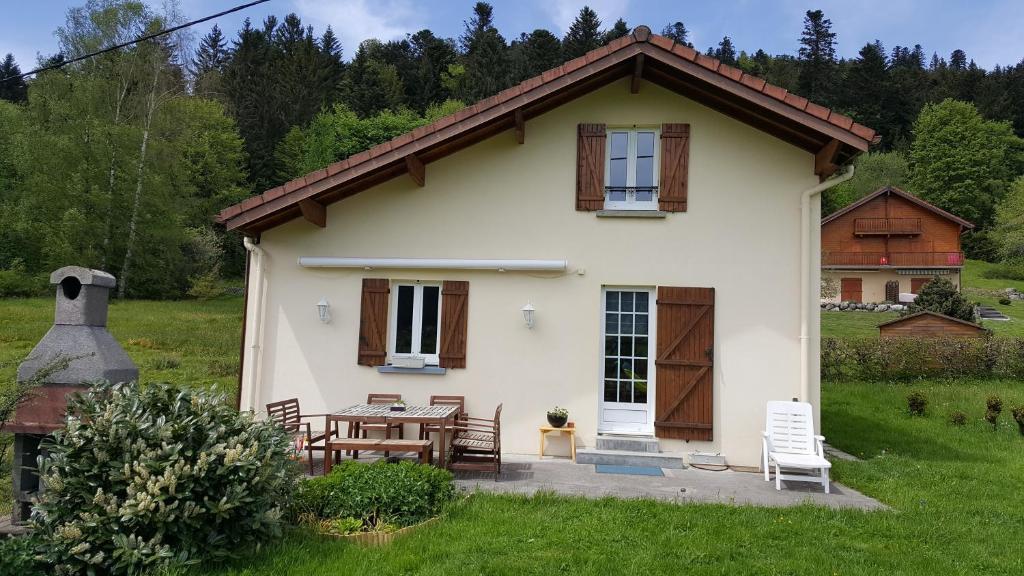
(789, 442)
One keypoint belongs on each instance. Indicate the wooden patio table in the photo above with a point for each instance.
(441, 416)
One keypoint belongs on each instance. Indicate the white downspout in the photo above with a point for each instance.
(254, 357)
(805, 274)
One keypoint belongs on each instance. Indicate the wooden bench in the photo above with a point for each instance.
(425, 448)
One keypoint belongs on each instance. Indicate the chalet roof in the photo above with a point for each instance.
(902, 319)
(832, 137)
(902, 194)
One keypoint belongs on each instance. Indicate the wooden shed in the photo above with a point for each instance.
(927, 323)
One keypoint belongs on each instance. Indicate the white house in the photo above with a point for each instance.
(658, 210)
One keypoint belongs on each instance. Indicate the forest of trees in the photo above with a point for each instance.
(121, 161)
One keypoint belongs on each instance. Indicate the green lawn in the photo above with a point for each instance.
(976, 288)
(954, 492)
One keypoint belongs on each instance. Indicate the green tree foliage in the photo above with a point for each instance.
(618, 30)
(11, 89)
(817, 58)
(677, 31)
(1009, 228)
(940, 295)
(486, 59)
(962, 162)
(584, 34)
(208, 64)
(873, 170)
(534, 53)
(725, 52)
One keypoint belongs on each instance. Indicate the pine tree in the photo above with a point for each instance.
(488, 65)
(817, 58)
(432, 56)
(534, 53)
(618, 30)
(958, 60)
(865, 90)
(212, 53)
(584, 34)
(678, 32)
(725, 52)
(329, 44)
(941, 296)
(13, 90)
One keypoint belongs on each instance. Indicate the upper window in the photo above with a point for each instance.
(415, 324)
(631, 172)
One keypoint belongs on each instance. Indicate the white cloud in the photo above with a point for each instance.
(356, 20)
(563, 12)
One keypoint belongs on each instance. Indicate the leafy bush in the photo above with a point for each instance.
(17, 557)
(958, 418)
(402, 493)
(1018, 416)
(142, 476)
(911, 358)
(940, 295)
(917, 402)
(16, 282)
(993, 408)
(1005, 301)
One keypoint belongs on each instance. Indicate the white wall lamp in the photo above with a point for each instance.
(323, 310)
(528, 312)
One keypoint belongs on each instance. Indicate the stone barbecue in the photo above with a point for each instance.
(79, 334)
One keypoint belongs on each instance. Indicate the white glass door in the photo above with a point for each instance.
(626, 392)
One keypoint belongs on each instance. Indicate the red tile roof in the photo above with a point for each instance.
(248, 214)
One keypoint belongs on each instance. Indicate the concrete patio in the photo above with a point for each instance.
(522, 474)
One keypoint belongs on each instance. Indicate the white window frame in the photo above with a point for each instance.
(430, 359)
(631, 203)
(605, 425)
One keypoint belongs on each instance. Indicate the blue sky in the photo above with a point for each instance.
(991, 31)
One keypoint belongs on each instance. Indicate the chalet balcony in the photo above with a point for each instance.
(887, 226)
(879, 259)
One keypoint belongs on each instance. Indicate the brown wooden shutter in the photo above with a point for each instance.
(454, 323)
(685, 363)
(675, 167)
(590, 167)
(373, 322)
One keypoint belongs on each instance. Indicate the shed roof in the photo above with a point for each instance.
(902, 194)
(902, 319)
(833, 137)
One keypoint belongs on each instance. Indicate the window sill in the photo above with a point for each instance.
(399, 370)
(631, 214)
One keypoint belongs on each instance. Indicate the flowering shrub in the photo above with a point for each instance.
(142, 476)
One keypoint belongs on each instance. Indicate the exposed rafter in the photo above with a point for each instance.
(417, 171)
(825, 160)
(520, 121)
(314, 211)
(638, 72)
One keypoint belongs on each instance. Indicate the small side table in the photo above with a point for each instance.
(569, 428)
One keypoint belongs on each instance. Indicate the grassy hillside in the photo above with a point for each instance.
(976, 288)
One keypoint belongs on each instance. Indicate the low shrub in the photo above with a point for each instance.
(912, 358)
(1018, 416)
(993, 408)
(144, 476)
(401, 493)
(15, 282)
(1005, 301)
(917, 403)
(958, 418)
(17, 557)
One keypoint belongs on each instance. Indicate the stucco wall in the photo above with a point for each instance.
(873, 282)
(499, 199)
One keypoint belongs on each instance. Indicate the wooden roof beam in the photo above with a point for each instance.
(638, 72)
(825, 160)
(417, 171)
(520, 121)
(314, 211)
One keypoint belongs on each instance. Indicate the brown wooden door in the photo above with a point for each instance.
(685, 363)
(850, 289)
(917, 283)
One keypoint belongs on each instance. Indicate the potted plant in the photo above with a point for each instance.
(398, 406)
(557, 417)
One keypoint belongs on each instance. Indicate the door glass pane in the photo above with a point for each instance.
(403, 316)
(611, 323)
(611, 391)
(429, 328)
(611, 300)
(627, 301)
(627, 346)
(641, 302)
(640, 347)
(611, 346)
(625, 369)
(640, 391)
(640, 324)
(626, 324)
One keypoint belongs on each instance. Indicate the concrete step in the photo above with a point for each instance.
(628, 458)
(628, 443)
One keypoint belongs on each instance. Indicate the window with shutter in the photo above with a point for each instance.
(373, 321)
(590, 166)
(684, 365)
(454, 323)
(675, 162)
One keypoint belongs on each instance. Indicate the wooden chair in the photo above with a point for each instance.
(789, 443)
(385, 428)
(476, 444)
(290, 417)
(427, 429)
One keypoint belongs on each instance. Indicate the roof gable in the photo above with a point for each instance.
(902, 194)
(909, 317)
(814, 128)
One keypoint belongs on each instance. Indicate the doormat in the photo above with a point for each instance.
(631, 470)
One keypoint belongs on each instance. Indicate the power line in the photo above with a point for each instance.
(136, 41)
